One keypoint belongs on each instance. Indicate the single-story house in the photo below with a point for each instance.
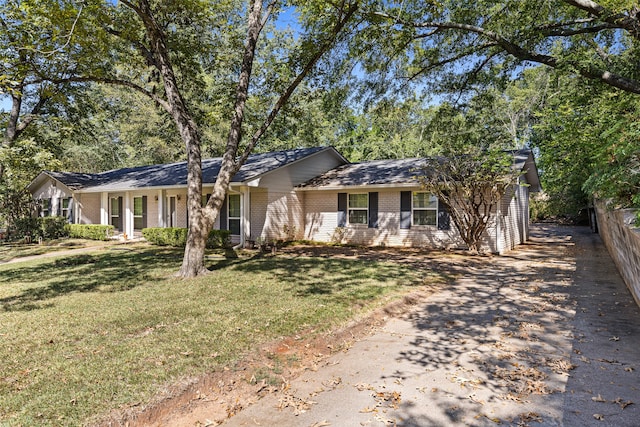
(309, 193)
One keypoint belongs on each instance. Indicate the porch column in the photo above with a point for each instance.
(128, 216)
(104, 208)
(245, 233)
(162, 215)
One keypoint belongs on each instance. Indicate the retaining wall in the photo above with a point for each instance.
(623, 242)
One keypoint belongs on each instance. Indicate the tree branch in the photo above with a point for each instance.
(284, 97)
(605, 76)
(118, 82)
(620, 20)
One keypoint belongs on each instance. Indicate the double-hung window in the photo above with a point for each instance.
(64, 210)
(138, 213)
(46, 207)
(233, 213)
(115, 212)
(358, 208)
(424, 209)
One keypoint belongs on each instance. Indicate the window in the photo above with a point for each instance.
(358, 208)
(233, 213)
(138, 211)
(46, 207)
(424, 209)
(115, 212)
(64, 210)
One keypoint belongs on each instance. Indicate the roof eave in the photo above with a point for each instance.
(359, 186)
(260, 175)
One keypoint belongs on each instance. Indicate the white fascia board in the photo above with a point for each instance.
(107, 189)
(359, 187)
(253, 182)
(257, 178)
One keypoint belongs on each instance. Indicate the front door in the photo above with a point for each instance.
(171, 211)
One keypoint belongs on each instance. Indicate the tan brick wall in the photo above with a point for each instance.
(283, 209)
(259, 201)
(89, 204)
(321, 222)
(152, 209)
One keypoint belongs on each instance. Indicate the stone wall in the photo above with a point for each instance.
(623, 242)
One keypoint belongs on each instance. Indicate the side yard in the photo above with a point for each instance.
(87, 334)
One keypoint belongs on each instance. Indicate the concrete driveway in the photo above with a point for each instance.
(547, 335)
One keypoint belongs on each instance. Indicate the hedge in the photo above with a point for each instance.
(177, 237)
(90, 231)
(50, 227)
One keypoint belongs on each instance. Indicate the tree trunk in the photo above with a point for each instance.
(201, 219)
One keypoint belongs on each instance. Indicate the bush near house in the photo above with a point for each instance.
(177, 237)
(90, 231)
(47, 228)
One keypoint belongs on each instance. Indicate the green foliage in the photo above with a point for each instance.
(470, 181)
(588, 137)
(22, 162)
(457, 46)
(177, 237)
(46, 228)
(219, 239)
(90, 231)
(170, 236)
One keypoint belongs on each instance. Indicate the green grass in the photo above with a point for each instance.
(9, 251)
(85, 334)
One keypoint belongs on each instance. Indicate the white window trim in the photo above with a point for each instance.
(111, 215)
(349, 209)
(64, 212)
(413, 224)
(229, 217)
(45, 212)
(133, 211)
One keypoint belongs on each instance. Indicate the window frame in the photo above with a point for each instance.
(424, 209)
(354, 209)
(234, 218)
(140, 217)
(45, 208)
(111, 215)
(64, 210)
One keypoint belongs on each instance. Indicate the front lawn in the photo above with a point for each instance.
(9, 251)
(88, 333)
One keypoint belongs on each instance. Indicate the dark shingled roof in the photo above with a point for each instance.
(175, 174)
(377, 172)
(400, 172)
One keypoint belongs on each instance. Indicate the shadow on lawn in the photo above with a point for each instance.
(346, 280)
(104, 272)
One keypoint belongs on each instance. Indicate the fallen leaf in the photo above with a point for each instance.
(598, 399)
(614, 339)
(323, 423)
(599, 417)
(621, 403)
(629, 369)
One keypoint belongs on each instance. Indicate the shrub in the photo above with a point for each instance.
(178, 237)
(51, 227)
(171, 236)
(90, 231)
(219, 239)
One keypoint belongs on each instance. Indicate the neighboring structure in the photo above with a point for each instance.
(312, 193)
(622, 239)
